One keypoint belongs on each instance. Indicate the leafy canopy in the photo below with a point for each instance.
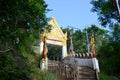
(107, 11)
(20, 22)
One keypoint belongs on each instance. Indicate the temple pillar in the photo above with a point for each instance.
(64, 49)
(44, 64)
(41, 47)
(43, 52)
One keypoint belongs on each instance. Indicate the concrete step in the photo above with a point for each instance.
(86, 73)
(83, 72)
(85, 68)
(87, 79)
(53, 63)
(86, 76)
(53, 66)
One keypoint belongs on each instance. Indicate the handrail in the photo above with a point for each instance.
(96, 74)
(82, 55)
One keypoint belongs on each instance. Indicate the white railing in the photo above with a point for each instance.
(86, 59)
(82, 55)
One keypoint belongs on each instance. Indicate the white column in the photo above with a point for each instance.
(42, 67)
(64, 52)
(95, 64)
(44, 64)
(41, 47)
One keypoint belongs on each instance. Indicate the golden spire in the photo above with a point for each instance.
(92, 42)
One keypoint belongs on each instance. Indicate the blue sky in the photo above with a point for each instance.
(75, 13)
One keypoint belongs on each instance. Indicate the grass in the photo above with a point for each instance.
(103, 76)
(15, 66)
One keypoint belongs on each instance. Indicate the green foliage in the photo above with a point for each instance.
(80, 39)
(116, 33)
(100, 35)
(109, 58)
(50, 76)
(5, 60)
(103, 76)
(109, 54)
(107, 49)
(21, 22)
(107, 11)
(54, 52)
(13, 67)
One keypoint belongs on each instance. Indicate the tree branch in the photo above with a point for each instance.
(5, 50)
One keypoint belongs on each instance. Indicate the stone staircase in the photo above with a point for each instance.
(86, 73)
(80, 72)
(53, 65)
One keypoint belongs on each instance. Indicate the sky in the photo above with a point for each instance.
(75, 13)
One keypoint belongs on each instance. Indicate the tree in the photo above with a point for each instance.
(115, 33)
(20, 24)
(80, 40)
(107, 11)
(21, 21)
(108, 15)
(101, 36)
(54, 52)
